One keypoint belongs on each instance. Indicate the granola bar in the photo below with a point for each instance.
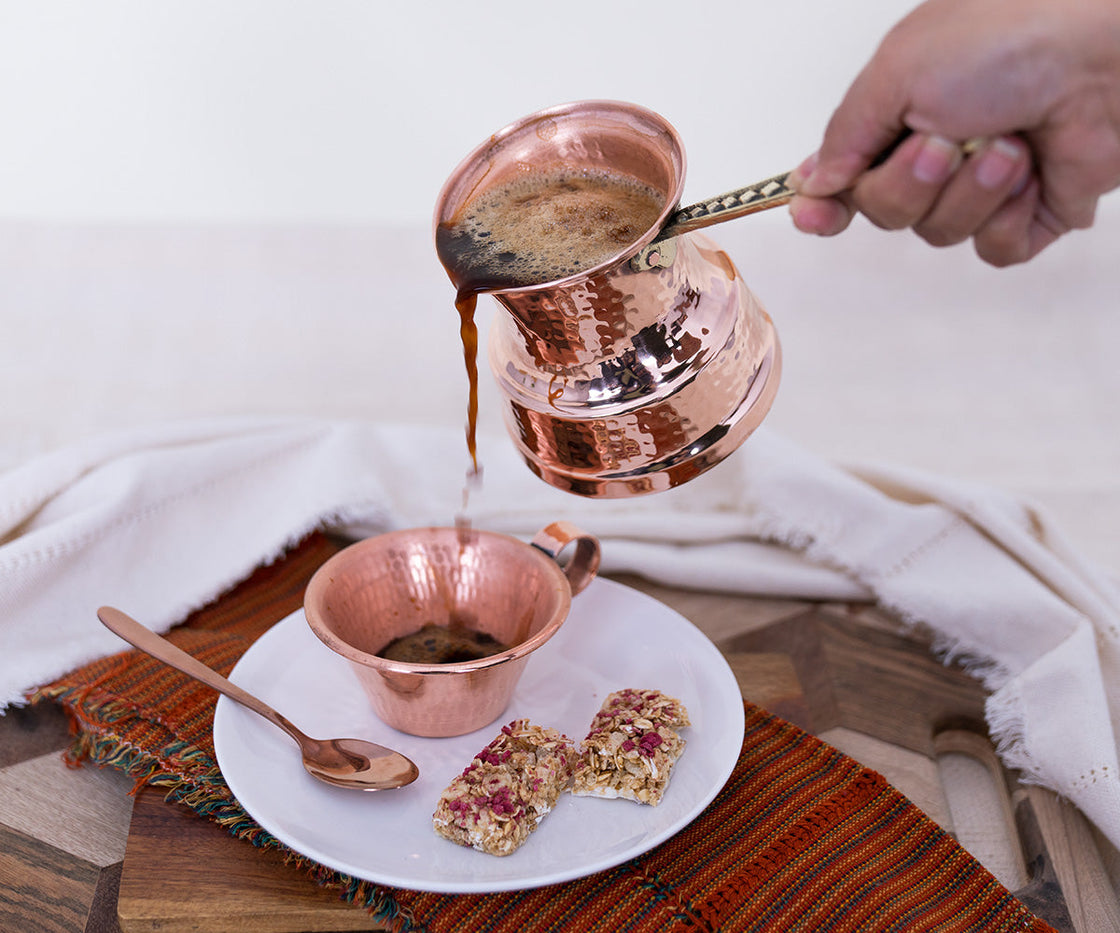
(631, 747)
(507, 789)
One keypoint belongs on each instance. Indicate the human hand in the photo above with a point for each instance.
(1036, 84)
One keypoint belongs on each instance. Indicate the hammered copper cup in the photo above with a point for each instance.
(391, 585)
(638, 374)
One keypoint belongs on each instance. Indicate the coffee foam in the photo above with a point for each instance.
(547, 225)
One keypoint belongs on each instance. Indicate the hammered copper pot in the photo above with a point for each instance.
(645, 371)
(379, 589)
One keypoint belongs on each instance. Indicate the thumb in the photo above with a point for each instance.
(866, 125)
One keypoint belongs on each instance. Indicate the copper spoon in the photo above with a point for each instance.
(352, 763)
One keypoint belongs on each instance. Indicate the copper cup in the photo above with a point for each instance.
(638, 374)
(389, 586)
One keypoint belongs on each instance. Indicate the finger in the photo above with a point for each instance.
(1019, 230)
(804, 170)
(999, 169)
(902, 191)
(840, 161)
(867, 123)
(822, 216)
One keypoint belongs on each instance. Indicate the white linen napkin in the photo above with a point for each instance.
(160, 521)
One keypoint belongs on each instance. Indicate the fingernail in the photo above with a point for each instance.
(937, 159)
(997, 163)
(821, 217)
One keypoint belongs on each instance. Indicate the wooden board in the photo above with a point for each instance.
(184, 873)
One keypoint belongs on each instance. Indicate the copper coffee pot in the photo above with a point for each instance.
(643, 372)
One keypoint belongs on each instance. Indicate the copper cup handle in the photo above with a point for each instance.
(584, 563)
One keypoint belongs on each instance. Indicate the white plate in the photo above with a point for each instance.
(615, 637)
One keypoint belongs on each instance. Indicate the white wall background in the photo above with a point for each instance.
(355, 110)
(223, 207)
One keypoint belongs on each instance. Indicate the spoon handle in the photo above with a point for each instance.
(162, 650)
(770, 192)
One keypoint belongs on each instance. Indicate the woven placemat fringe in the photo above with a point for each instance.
(190, 776)
(800, 838)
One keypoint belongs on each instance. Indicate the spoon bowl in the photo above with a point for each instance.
(351, 763)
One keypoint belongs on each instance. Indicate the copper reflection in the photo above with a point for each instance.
(659, 381)
(388, 586)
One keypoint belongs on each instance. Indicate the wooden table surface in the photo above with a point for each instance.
(78, 853)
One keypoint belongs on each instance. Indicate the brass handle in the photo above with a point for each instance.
(762, 195)
(771, 192)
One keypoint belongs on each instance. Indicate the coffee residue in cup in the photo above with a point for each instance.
(442, 644)
(539, 227)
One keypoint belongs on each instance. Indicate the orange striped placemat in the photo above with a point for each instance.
(801, 838)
